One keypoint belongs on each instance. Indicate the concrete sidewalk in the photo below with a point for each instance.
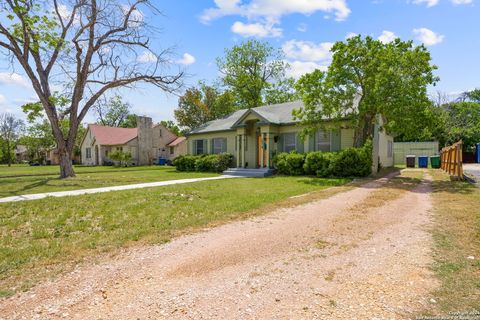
(472, 170)
(37, 196)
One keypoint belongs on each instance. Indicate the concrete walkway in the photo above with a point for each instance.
(472, 170)
(37, 196)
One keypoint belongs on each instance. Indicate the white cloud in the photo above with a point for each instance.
(307, 51)
(187, 59)
(429, 3)
(3, 100)
(147, 57)
(256, 30)
(350, 35)
(274, 10)
(428, 37)
(460, 2)
(136, 17)
(13, 79)
(302, 27)
(387, 36)
(299, 68)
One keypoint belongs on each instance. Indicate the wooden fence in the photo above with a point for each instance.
(451, 160)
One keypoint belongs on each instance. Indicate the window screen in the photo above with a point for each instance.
(323, 141)
(199, 147)
(219, 145)
(289, 142)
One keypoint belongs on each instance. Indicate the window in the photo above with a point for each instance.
(119, 148)
(106, 153)
(160, 133)
(88, 153)
(199, 146)
(323, 141)
(172, 150)
(219, 145)
(390, 149)
(289, 142)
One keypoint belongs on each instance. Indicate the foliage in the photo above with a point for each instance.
(204, 163)
(462, 123)
(368, 78)
(289, 163)
(121, 158)
(200, 105)
(10, 129)
(281, 91)
(318, 163)
(172, 127)
(115, 113)
(248, 69)
(352, 162)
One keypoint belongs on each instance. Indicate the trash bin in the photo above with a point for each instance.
(162, 161)
(410, 160)
(477, 158)
(423, 161)
(435, 161)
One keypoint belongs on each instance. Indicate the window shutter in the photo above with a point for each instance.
(280, 143)
(300, 144)
(311, 142)
(336, 140)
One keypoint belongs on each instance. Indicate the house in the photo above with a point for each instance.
(255, 135)
(147, 143)
(21, 153)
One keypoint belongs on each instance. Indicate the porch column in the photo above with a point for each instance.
(268, 149)
(262, 155)
(238, 142)
(244, 138)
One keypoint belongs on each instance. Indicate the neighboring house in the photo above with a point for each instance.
(147, 143)
(177, 147)
(255, 135)
(21, 153)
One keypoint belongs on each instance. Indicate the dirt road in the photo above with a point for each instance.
(360, 254)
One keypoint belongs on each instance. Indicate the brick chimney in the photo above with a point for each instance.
(145, 140)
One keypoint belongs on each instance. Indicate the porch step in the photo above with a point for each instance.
(242, 172)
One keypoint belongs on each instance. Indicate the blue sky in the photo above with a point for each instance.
(200, 30)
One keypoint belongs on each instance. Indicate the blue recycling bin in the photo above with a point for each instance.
(423, 161)
(162, 161)
(477, 153)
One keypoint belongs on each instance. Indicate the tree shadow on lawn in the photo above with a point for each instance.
(21, 190)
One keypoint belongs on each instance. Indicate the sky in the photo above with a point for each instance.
(200, 30)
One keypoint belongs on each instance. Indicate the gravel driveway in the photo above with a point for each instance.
(360, 254)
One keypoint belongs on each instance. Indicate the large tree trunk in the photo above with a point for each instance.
(9, 154)
(66, 167)
(363, 131)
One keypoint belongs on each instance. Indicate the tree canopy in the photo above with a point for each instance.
(368, 78)
(10, 129)
(114, 113)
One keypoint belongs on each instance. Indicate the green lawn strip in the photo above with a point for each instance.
(456, 235)
(39, 184)
(42, 238)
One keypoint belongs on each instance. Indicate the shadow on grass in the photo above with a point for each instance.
(30, 186)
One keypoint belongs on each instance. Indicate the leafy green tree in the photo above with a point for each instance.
(114, 113)
(200, 105)
(95, 45)
(463, 123)
(130, 121)
(366, 79)
(10, 129)
(121, 158)
(170, 125)
(248, 69)
(281, 91)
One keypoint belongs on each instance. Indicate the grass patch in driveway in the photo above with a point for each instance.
(456, 235)
(44, 237)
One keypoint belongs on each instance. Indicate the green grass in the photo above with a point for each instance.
(42, 238)
(456, 235)
(87, 177)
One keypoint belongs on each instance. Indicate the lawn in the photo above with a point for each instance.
(456, 234)
(44, 237)
(46, 180)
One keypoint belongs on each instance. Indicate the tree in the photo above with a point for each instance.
(172, 127)
(10, 129)
(122, 158)
(200, 105)
(130, 121)
(368, 78)
(96, 45)
(463, 122)
(281, 91)
(248, 69)
(113, 113)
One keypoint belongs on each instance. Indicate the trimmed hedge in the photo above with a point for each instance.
(352, 162)
(204, 163)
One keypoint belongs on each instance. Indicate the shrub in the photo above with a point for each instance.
(203, 163)
(318, 163)
(353, 162)
(121, 158)
(289, 163)
(185, 163)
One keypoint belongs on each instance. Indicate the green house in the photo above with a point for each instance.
(255, 135)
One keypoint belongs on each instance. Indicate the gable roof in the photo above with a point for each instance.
(276, 114)
(176, 142)
(105, 135)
